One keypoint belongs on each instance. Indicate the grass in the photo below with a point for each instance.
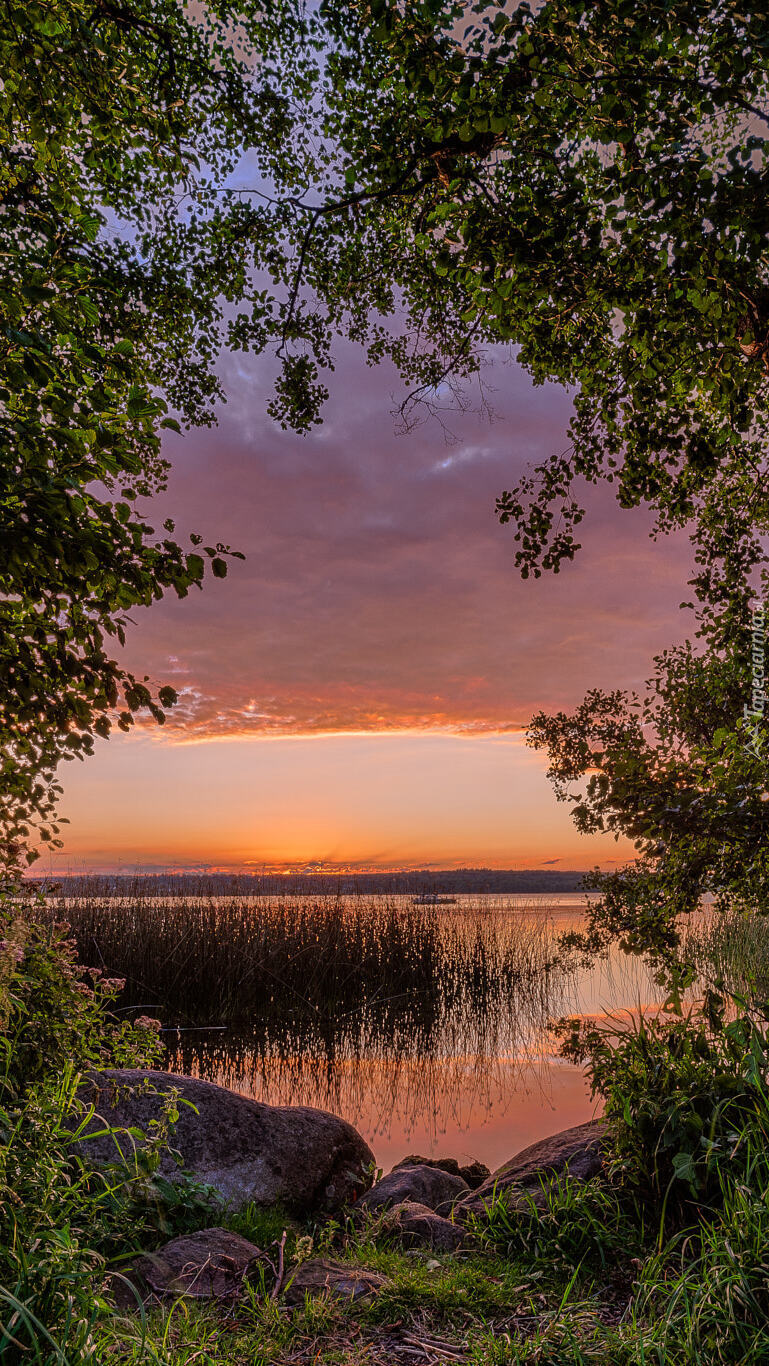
(576, 1282)
(570, 1224)
(536, 1291)
(235, 961)
(485, 1309)
(731, 947)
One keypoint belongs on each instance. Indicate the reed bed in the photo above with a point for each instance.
(731, 947)
(367, 1005)
(238, 961)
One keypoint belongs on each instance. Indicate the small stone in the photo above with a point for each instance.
(416, 1225)
(474, 1173)
(323, 1277)
(420, 1184)
(211, 1264)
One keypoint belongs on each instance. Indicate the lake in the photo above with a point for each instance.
(458, 1063)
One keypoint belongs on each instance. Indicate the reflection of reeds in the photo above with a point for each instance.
(355, 1003)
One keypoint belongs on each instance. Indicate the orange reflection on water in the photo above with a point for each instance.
(484, 1086)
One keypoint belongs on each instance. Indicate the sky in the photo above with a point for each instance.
(355, 693)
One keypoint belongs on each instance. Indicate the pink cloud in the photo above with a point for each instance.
(379, 591)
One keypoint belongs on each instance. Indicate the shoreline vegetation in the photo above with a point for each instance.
(658, 1258)
(213, 959)
(371, 1006)
(468, 881)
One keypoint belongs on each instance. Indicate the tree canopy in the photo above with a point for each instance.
(680, 776)
(585, 182)
(106, 110)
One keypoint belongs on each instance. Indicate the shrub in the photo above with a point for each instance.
(60, 1219)
(686, 1098)
(54, 1012)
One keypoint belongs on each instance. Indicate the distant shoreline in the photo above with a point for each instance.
(458, 880)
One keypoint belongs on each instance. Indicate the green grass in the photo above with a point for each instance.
(587, 1224)
(488, 1307)
(263, 1226)
(706, 1296)
(576, 1283)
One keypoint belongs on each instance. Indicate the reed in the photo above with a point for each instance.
(234, 960)
(731, 948)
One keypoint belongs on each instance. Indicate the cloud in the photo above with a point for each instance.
(379, 591)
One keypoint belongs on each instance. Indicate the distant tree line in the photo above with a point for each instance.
(501, 882)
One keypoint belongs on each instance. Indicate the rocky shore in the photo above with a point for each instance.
(313, 1166)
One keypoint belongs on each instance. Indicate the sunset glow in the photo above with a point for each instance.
(337, 802)
(355, 693)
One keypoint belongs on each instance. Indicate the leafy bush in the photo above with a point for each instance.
(54, 1012)
(686, 1098)
(60, 1219)
(49, 1217)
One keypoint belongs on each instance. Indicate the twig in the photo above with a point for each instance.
(449, 1350)
(279, 1278)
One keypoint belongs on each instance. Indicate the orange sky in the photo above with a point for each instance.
(373, 801)
(354, 692)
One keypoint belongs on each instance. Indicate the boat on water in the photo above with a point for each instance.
(433, 899)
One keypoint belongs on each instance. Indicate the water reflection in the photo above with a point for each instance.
(467, 1060)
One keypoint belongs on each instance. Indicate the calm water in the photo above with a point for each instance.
(472, 1073)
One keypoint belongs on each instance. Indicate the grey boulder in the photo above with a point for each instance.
(421, 1184)
(414, 1225)
(574, 1151)
(303, 1158)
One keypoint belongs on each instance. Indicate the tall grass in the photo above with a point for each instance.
(731, 948)
(705, 1298)
(237, 961)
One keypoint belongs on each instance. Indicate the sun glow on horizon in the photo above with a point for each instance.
(342, 802)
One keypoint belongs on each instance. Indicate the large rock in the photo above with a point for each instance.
(324, 1277)
(415, 1225)
(474, 1173)
(421, 1184)
(574, 1151)
(211, 1264)
(305, 1159)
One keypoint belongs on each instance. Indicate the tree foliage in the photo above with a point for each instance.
(585, 181)
(108, 337)
(682, 775)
